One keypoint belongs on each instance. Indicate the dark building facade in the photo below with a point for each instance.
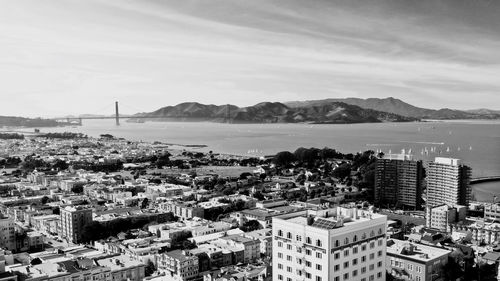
(398, 182)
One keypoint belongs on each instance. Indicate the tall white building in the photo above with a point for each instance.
(448, 182)
(329, 245)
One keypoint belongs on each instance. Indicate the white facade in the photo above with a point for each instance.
(329, 245)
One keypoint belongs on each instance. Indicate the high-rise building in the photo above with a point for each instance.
(7, 233)
(329, 245)
(448, 182)
(73, 220)
(398, 181)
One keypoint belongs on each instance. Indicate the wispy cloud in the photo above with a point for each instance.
(155, 53)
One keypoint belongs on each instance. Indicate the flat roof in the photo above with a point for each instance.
(421, 253)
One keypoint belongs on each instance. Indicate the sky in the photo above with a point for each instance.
(60, 57)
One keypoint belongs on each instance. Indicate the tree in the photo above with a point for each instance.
(150, 268)
(342, 171)
(251, 225)
(284, 158)
(77, 188)
(144, 203)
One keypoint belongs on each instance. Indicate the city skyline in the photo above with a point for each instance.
(148, 54)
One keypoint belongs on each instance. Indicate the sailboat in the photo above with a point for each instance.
(448, 149)
(470, 147)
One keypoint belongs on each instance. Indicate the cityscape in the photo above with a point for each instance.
(236, 140)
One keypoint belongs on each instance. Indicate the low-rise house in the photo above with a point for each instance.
(409, 261)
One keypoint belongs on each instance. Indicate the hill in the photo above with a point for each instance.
(12, 121)
(399, 107)
(273, 112)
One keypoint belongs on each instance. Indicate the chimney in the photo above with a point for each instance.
(310, 220)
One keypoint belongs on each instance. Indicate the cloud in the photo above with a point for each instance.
(155, 53)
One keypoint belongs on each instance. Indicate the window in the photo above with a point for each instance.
(346, 241)
(289, 247)
(379, 231)
(280, 233)
(363, 247)
(372, 256)
(379, 264)
(280, 244)
(318, 255)
(346, 276)
(280, 266)
(354, 261)
(379, 275)
(318, 278)
(336, 256)
(363, 236)
(280, 277)
(372, 233)
(308, 263)
(372, 245)
(299, 250)
(337, 243)
(354, 273)
(308, 240)
(363, 259)
(346, 253)
(336, 267)
(318, 243)
(346, 264)
(289, 269)
(336, 278)
(363, 269)
(298, 238)
(379, 253)
(308, 275)
(318, 266)
(380, 242)
(299, 261)
(419, 269)
(289, 258)
(355, 250)
(289, 279)
(308, 252)
(355, 239)
(288, 235)
(280, 255)
(371, 267)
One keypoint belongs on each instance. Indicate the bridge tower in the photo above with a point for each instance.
(117, 115)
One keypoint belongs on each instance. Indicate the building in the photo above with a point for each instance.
(398, 181)
(492, 212)
(440, 217)
(178, 265)
(329, 245)
(417, 262)
(6, 258)
(7, 234)
(479, 231)
(448, 182)
(73, 220)
(123, 268)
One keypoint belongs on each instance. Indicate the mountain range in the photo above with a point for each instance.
(273, 112)
(402, 108)
(348, 110)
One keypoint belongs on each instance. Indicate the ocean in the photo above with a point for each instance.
(475, 142)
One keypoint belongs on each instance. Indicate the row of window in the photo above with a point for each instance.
(345, 276)
(319, 243)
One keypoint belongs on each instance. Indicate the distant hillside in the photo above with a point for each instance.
(399, 107)
(273, 112)
(11, 121)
